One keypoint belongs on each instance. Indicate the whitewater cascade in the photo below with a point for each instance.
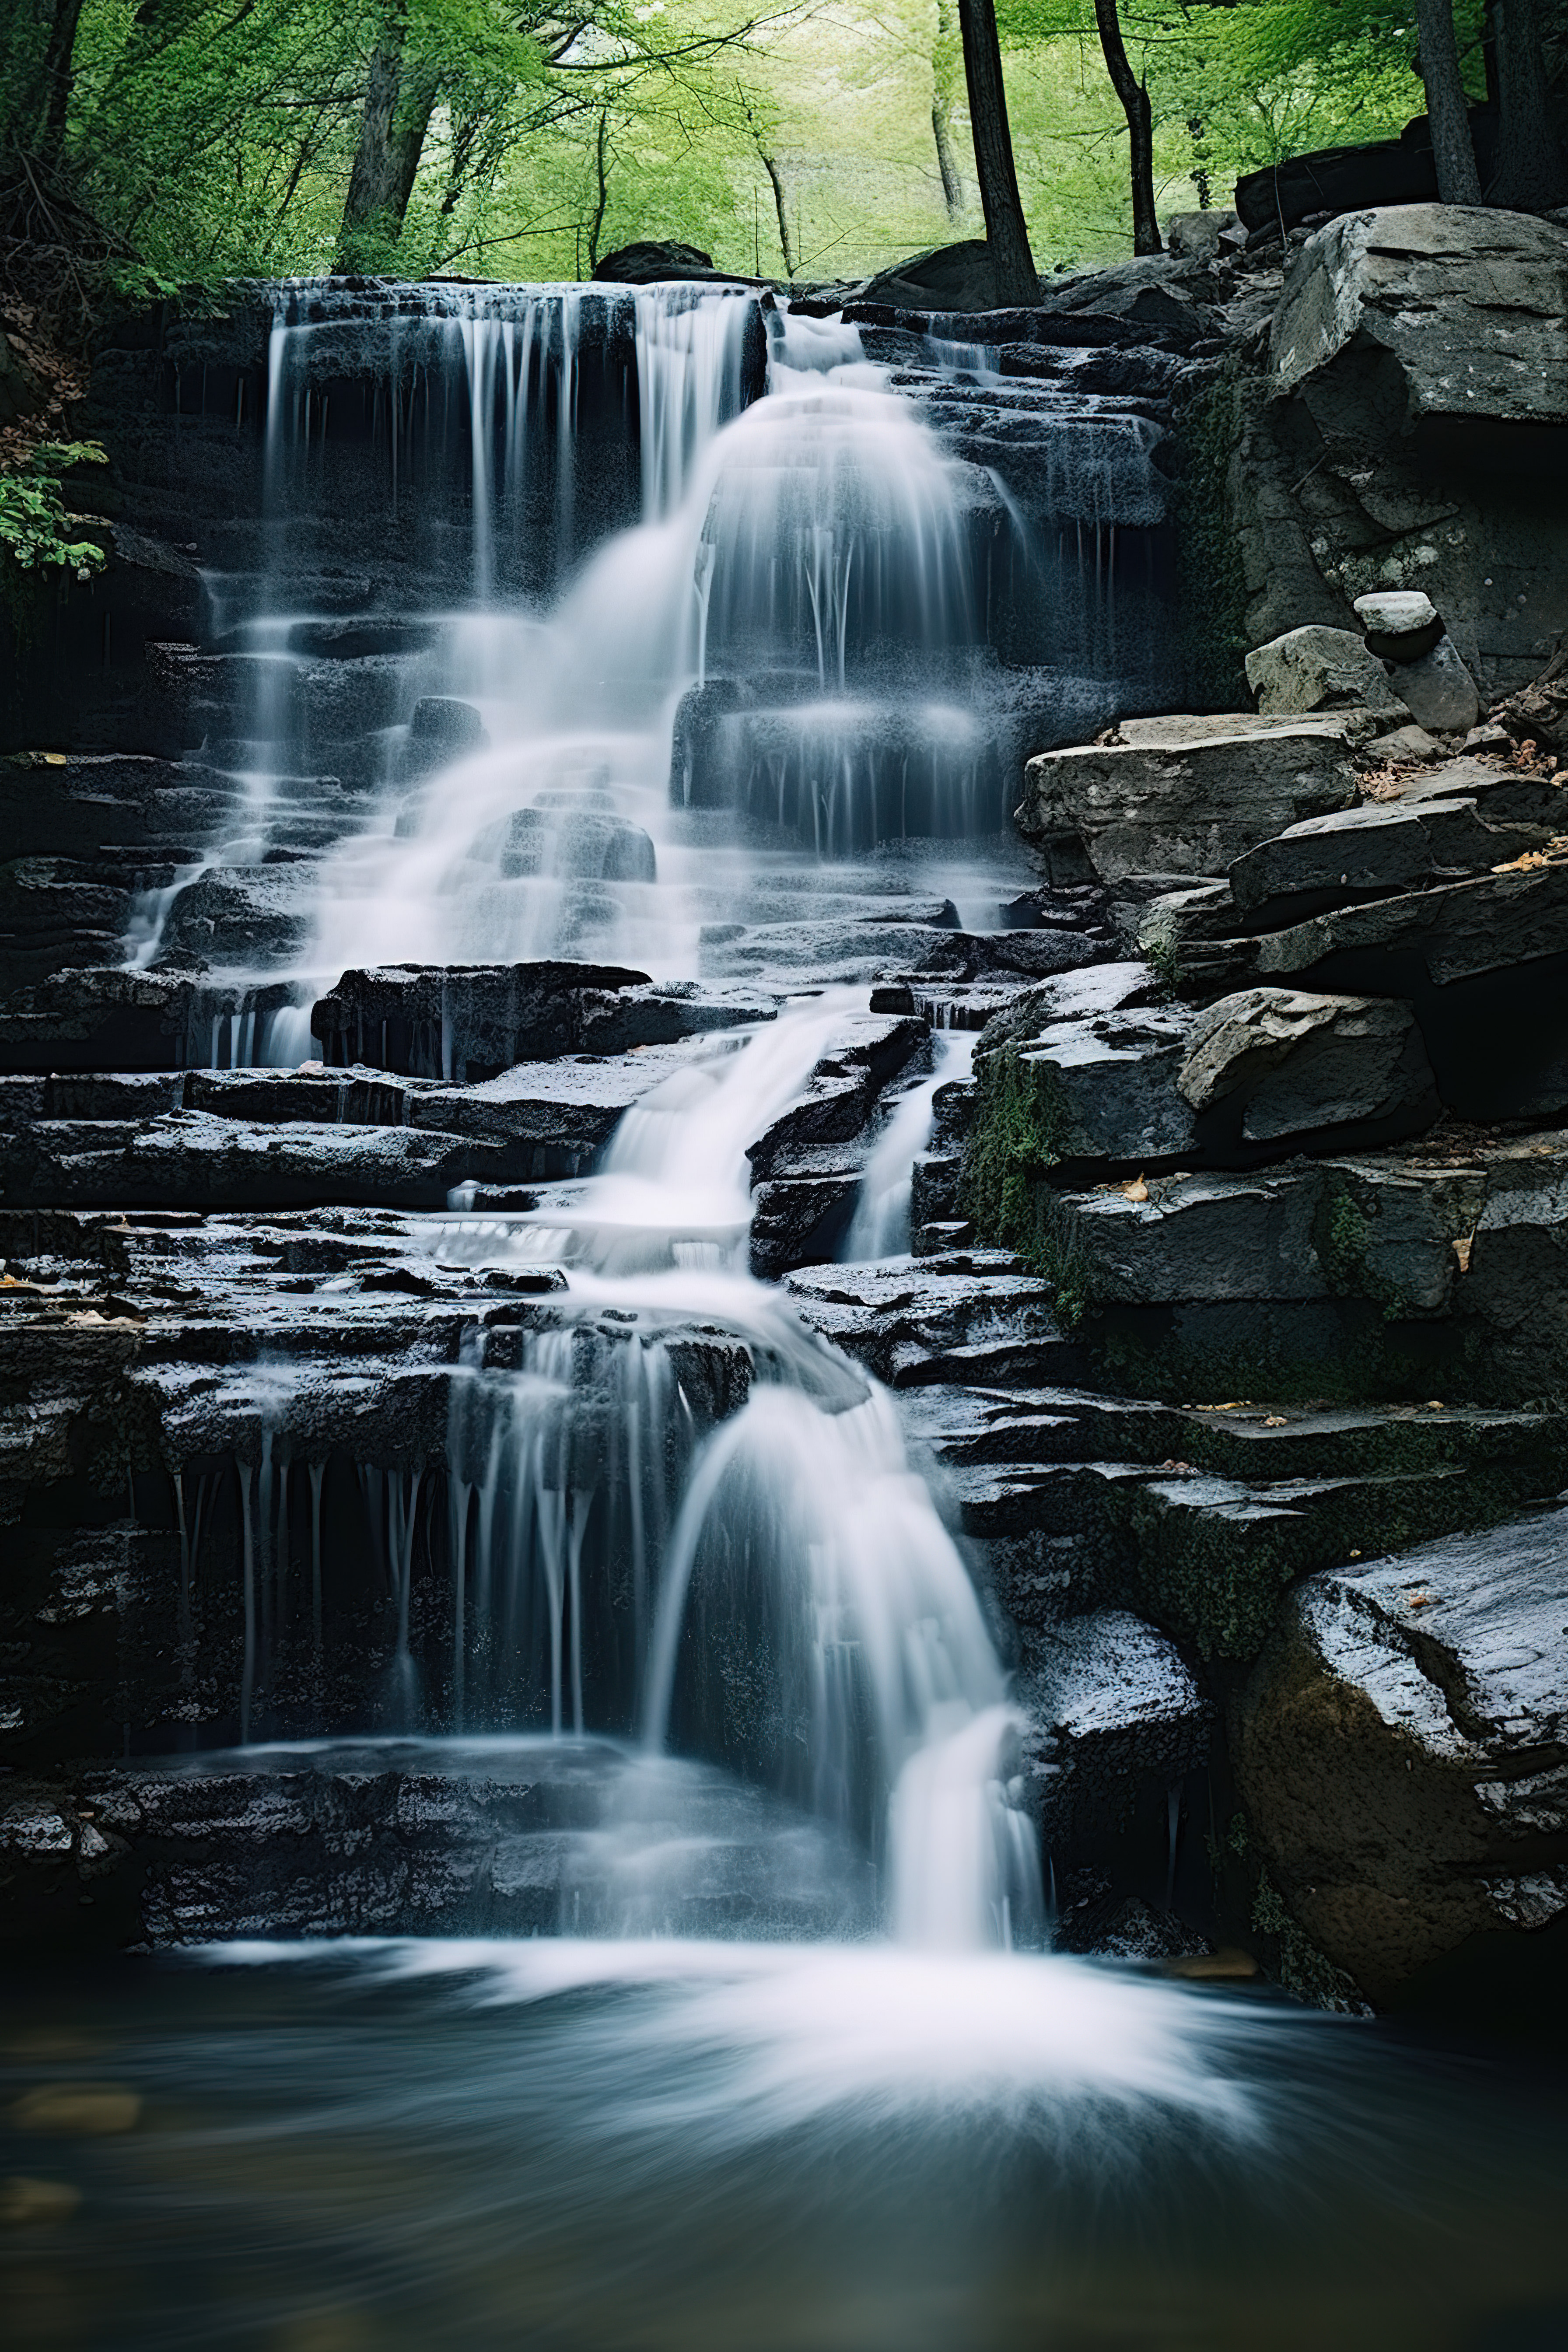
(692, 605)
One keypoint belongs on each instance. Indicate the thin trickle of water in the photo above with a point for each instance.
(880, 1226)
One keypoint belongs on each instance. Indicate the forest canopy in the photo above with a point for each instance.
(812, 137)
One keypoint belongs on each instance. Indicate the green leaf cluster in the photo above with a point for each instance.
(36, 531)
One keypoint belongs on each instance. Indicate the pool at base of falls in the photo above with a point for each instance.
(653, 2147)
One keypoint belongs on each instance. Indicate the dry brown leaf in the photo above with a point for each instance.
(1136, 1190)
(1462, 1252)
(1274, 1420)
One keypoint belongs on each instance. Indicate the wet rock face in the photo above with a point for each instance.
(1403, 1749)
(470, 1022)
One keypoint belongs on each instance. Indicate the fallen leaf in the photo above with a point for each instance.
(1462, 1252)
(89, 2108)
(1136, 1190)
(1273, 1421)
(1419, 1601)
(1227, 1962)
(1529, 863)
(1433, 1404)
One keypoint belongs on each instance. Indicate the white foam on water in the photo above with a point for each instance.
(754, 2040)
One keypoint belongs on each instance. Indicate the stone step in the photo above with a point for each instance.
(1207, 1557)
(389, 1837)
(1254, 1442)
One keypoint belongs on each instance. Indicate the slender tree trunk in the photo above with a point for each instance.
(787, 241)
(1134, 97)
(1453, 150)
(59, 74)
(399, 99)
(946, 64)
(602, 182)
(1017, 280)
(1532, 173)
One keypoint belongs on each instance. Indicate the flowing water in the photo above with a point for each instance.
(798, 2068)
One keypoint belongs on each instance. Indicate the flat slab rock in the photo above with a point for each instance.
(1179, 802)
(1473, 1233)
(1384, 846)
(471, 1020)
(1401, 1749)
(967, 1315)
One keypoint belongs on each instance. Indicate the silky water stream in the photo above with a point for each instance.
(799, 2068)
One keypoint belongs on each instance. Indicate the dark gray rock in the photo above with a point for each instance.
(118, 1019)
(1444, 312)
(1293, 1064)
(654, 261)
(575, 844)
(1400, 1749)
(442, 728)
(971, 1315)
(1316, 668)
(1190, 802)
(1097, 1088)
(1386, 847)
(469, 1021)
(1110, 1706)
(1437, 690)
(841, 1095)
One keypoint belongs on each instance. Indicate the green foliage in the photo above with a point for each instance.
(37, 532)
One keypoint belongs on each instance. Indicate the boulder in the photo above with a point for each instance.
(1403, 744)
(1175, 802)
(1293, 1063)
(442, 728)
(959, 277)
(1437, 690)
(1096, 1087)
(1345, 179)
(1430, 311)
(1111, 1705)
(1195, 236)
(1400, 1749)
(654, 261)
(1318, 669)
(570, 846)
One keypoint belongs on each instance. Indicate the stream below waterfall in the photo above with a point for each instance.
(799, 2069)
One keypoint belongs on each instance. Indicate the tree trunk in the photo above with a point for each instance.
(1453, 150)
(59, 73)
(786, 242)
(1017, 280)
(1532, 173)
(602, 189)
(1134, 97)
(945, 65)
(399, 99)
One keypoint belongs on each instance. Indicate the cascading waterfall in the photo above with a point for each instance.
(683, 556)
